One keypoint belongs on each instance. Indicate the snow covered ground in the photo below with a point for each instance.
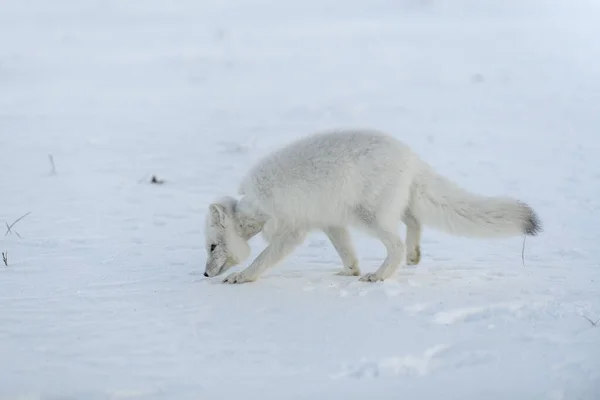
(103, 296)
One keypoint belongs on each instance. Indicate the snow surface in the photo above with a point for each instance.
(103, 296)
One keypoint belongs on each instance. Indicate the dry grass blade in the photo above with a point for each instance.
(5, 258)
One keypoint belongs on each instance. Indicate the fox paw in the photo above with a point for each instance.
(370, 277)
(236, 277)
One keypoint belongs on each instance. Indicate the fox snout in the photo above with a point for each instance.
(213, 269)
(210, 271)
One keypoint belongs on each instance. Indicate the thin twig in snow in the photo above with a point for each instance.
(9, 227)
(53, 167)
(9, 230)
(5, 258)
(594, 324)
(523, 251)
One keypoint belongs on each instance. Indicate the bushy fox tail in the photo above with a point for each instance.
(439, 203)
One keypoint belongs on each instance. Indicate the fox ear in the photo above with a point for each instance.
(217, 213)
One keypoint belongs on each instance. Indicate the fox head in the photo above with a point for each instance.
(225, 247)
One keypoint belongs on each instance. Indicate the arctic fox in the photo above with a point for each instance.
(330, 181)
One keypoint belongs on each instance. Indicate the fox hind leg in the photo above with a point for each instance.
(393, 243)
(413, 238)
(340, 238)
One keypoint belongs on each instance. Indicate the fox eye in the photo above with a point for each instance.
(212, 247)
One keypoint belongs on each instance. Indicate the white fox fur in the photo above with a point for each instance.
(331, 181)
